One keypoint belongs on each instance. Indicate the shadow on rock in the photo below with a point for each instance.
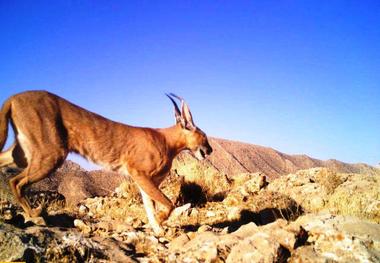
(19, 221)
(263, 217)
(192, 193)
(59, 220)
(195, 194)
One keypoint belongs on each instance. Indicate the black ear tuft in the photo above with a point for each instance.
(177, 113)
(185, 112)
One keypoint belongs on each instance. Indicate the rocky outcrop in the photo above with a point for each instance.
(311, 238)
(338, 239)
(313, 215)
(42, 244)
(320, 188)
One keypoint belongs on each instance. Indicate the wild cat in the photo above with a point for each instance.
(48, 127)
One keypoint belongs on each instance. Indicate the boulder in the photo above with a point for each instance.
(12, 247)
(338, 238)
(320, 189)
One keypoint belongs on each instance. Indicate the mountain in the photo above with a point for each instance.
(232, 157)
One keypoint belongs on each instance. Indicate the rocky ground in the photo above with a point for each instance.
(314, 215)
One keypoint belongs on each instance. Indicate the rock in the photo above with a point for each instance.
(83, 210)
(210, 214)
(120, 227)
(12, 248)
(338, 238)
(105, 226)
(249, 243)
(179, 242)
(131, 237)
(282, 235)
(163, 240)
(41, 244)
(303, 188)
(306, 254)
(257, 248)
(246, 230)
(320, 188)
(82, 226)
(194, 212)
(311, 238)
(203, 247)
(180, 210)
(234, 198)
(317, 203)
(153, 239)
(245, 184)
(7, 214)
(234, 213)
(204, 228)
(257, 182)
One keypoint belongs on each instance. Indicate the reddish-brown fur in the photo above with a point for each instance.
(48, 127)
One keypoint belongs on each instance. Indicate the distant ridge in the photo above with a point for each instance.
(231, 157)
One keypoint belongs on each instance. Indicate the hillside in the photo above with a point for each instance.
(231, 157)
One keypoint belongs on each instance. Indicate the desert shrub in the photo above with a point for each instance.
(358, 196)
(328, 179)
(207, 177)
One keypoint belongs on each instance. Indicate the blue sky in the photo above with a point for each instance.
(297, 76)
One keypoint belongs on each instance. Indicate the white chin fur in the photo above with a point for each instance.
(198, 155)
